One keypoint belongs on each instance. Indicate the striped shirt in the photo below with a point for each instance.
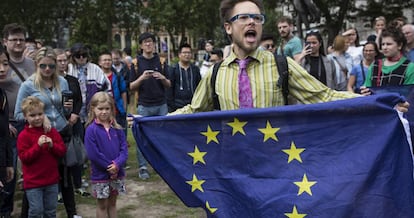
(263, 74)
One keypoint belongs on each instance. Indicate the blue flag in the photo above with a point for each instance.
(347, 158)
(406, 91)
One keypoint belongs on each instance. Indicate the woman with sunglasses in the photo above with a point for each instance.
(47, 85)
(90, 76)
(314, 60)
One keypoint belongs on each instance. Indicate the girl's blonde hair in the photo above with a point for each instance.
(30, 103)
(38, 80)
(99, 98)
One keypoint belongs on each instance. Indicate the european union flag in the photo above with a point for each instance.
(347, 158)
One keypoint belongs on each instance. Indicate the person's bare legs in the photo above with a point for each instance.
(102, 208)
(112, 206)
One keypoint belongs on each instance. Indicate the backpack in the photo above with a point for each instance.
(283, 82)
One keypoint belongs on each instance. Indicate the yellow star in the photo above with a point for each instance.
(294, 153)
(295, 213)
(211, 209)
(197, 155)
(196, 184)
(305, 185)
(211, 135)
(269, 132)
(237, 126)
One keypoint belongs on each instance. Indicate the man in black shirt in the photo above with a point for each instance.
(151, 82)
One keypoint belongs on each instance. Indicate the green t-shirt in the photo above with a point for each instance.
(409, 74)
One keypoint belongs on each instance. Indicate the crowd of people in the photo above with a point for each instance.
(37, 120)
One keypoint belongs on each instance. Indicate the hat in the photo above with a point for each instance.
(145, 36)
(76, 48)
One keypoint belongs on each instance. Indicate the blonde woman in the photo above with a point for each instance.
(47, 85)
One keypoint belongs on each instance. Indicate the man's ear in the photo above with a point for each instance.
(227, 28)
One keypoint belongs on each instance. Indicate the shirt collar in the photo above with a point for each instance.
(256, 55)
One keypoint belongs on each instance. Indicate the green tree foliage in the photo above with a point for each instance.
(91, 21)
(390, 9)
(40, 17)
(180, 17)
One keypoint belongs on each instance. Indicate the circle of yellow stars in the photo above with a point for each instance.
(269, 133)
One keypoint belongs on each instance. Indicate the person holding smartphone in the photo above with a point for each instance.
(151, 81)
(314, 60)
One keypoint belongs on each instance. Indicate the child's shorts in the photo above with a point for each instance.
(102, 190)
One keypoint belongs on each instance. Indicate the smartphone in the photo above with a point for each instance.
(307, 44)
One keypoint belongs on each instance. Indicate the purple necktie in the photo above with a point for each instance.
(245, 91)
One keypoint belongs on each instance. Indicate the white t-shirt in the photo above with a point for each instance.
(356, 54)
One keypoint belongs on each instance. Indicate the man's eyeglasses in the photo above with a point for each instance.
(16, 40)
(245, 18)
(84, 55)
(268, 46)
(51, 66)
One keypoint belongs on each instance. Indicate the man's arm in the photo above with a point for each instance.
(137, 82)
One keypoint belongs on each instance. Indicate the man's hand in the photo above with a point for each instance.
(73, 119)
(10, 174)
(13, 131)
(403, 106)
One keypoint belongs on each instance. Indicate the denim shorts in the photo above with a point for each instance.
(102, 190)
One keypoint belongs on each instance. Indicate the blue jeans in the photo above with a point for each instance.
(159, 110)
(42, 201)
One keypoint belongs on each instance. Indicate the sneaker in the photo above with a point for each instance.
(85, 183)
(143, 174)
(60, 199)
(82, 192)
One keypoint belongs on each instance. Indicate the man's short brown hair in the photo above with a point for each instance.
(226, 7)
(13, 28)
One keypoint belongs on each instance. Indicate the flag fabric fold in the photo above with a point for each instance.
(347, 158)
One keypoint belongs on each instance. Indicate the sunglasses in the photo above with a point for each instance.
(268, 46)
(51, 66)
(312, 31)
(84, 55)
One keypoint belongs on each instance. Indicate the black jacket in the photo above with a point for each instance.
(183, 85)
(77, 96)
(5, 146)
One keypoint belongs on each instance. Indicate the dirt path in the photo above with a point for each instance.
(149, 199)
